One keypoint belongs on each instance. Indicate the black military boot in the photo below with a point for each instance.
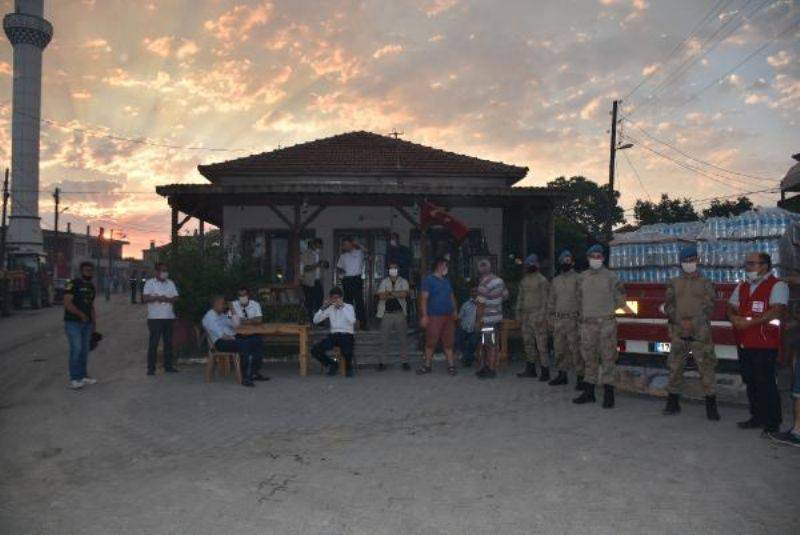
(608, 396)
(561, 379)
(711, 408)
(529, 371)
(587, 396)
(544, 375)
(673, 405)
(579, 384)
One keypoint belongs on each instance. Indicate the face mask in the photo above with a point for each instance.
(595, 263)
(752, 275)
(243, 300)
(393, 243)
(163, 275)
(689, 267)
(444, 272)
(393, 272)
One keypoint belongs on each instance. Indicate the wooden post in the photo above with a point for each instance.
(174, 229)
(551, 238)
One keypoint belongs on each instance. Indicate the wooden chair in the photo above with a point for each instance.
(222, 359)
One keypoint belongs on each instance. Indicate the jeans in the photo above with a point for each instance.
(78, 335)
(467, 343)
(759, 376)
(159, 329)
(250, 350)
(344, 341)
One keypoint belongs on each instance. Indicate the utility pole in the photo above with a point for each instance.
(108, 275)
(6, 195)
(611, 168)
(56, 248)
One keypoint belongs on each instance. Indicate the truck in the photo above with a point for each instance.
(643, 335)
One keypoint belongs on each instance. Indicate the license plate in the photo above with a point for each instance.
(660, 347)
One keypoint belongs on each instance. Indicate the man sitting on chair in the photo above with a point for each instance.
(222, 334)
(246, 311)
(342, 317)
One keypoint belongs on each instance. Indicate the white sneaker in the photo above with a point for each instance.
(89, 381)
(76, 385)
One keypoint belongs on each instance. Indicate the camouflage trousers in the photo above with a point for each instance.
(702, 350)
(566, 345)
(599, 347)
(534, 337)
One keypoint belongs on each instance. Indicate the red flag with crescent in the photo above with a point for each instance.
(436, 215)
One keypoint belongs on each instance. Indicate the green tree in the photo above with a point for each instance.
(587, 208)
(665, 211)
(728, 208)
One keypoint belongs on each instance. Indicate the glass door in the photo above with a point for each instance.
(374, 242)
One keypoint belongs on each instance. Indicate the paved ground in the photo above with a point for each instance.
(379, 454)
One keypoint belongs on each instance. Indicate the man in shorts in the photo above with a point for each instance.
(491, 294)
(438, 316)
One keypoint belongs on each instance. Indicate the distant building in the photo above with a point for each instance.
(66, 250)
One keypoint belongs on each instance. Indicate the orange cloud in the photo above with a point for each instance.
(234, 26)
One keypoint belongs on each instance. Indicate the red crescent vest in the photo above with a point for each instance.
(765, 336)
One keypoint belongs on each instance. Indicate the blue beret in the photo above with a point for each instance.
(532, 260)
(688, 251)
(596, 248)
(564, 254)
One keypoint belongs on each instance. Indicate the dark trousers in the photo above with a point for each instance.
(159, 329)
(467, 343)
(354, 294)
(344, 341)
(312, 298)
(250, 350)
(133, 293)
(759, 376)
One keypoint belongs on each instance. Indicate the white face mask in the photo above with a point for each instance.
(393, 272)
(163, 275)
(243, 300)
(444, 272)
(752, 275)
(595, 263)
(393, 243)
(689, 267)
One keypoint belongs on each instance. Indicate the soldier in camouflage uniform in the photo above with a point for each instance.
(563, 313)
(599, 294)
(531, 308)
(689, 304)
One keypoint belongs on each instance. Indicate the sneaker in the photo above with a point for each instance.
(786, 437)
(89, 381)
(76, 385)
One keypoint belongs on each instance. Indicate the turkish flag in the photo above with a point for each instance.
(436, 215)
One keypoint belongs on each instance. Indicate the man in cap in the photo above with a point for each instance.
(599, 294)
(688, 305)
(563, 313)
(534, 291)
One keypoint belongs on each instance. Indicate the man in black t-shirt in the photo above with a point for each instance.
(79, 324)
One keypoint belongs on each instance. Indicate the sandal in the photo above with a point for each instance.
(451, 370)
(423, 370)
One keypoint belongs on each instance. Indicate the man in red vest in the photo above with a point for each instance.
(755, 309)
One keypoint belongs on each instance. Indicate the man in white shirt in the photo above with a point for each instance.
(222, 332)
(246, 311)
(350, 267)
(392, 294)
(342, 319)
(160, 294)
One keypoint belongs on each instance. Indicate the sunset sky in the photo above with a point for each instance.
(526, 82)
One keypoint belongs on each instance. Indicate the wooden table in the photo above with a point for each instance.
(506, 326)
(303, 333)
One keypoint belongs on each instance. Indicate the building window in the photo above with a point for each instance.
(267, 251)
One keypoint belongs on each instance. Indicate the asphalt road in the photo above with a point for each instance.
(387, 453)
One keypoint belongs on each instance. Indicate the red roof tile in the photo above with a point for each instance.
(361, 153)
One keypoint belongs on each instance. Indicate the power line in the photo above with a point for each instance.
(638, 177)
(687, 166)
(698, 160)
(138, 140)
(717, 7)
(691, 60)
